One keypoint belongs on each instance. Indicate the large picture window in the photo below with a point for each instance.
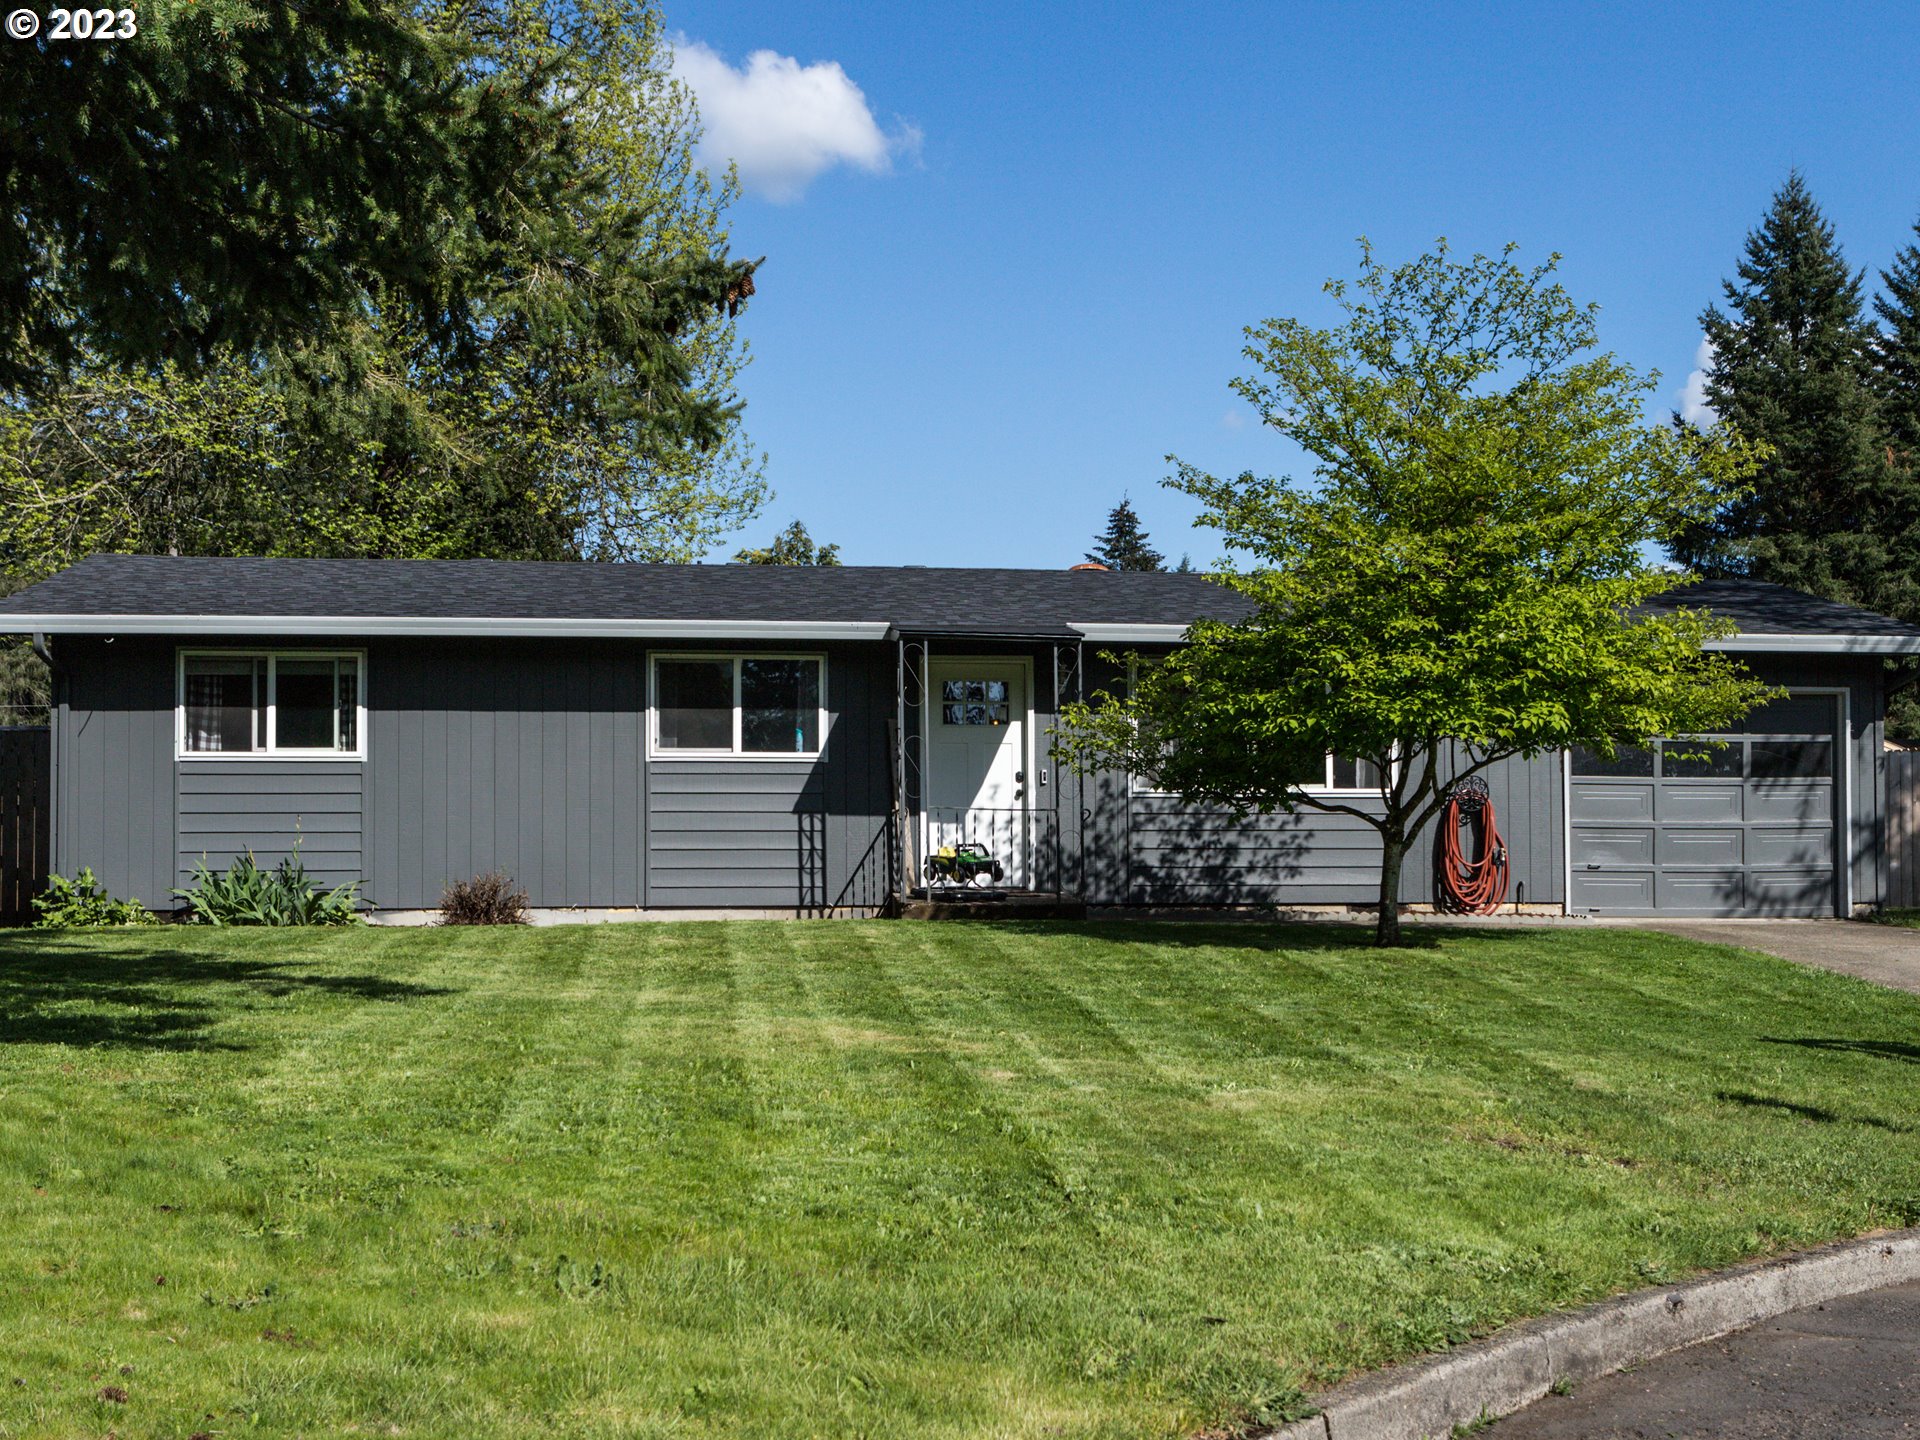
(252, 703)
(755, 705)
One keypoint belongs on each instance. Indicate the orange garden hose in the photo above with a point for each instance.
(1476, 884)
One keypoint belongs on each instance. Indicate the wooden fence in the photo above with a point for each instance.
(1903, 827)
(26, 771)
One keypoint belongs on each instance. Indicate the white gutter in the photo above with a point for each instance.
(1780, 644)
(1133, 634)
(571, 628)
(454, 625)
(1822, 644)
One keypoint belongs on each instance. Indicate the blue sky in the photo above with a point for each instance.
(1024, 281)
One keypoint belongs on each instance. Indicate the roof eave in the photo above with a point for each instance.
(486, 626)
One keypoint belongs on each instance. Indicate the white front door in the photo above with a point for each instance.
(977, 726)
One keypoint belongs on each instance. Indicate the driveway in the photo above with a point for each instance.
(1846, 1368)
(1885, 954)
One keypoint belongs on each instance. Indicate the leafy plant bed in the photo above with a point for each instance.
(880, 1179)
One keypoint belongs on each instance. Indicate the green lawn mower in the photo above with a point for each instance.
(966, 864)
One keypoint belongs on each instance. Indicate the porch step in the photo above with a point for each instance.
(1011, 905)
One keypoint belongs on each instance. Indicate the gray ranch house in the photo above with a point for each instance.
(661, 739)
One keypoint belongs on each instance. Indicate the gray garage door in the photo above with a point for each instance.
(1746, 825)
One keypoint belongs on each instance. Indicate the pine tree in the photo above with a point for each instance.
(1123, 545)
(1792, 368)
(1897, 353)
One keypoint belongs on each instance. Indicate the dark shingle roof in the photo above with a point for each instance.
(1762, 609)
(914, 599)
(1024, 602)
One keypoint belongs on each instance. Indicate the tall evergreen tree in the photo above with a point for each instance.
(1792, 369)
(1123, 545)
(580, 422)
(1897, 353)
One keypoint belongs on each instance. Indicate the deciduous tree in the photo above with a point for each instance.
(589, 411)
(792, 546)
(1458, 580)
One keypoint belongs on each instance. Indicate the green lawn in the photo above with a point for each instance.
(845, 1179)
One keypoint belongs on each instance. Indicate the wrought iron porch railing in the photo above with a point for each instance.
(1029, 844)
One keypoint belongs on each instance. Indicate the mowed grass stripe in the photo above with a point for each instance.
(846, 1179)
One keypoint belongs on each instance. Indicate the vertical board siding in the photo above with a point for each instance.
(516, 756)
(273, 809)
(114, 795)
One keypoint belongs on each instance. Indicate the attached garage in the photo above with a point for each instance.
(1747, 822)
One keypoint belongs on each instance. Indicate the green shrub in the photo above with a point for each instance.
(82, 904)
(488, 899)
(247, 895)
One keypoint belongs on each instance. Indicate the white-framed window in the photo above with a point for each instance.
(755, 707)
(1335, 775)
(1343, 773)
(310, 703)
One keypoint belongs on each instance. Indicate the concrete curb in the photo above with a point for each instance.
(1424, 1400)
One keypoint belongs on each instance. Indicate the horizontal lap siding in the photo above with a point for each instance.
(314, 809)
(1192, 854)
(744, 833)
(804, 835)
(1186, 854)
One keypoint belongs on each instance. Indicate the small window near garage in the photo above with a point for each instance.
(1692, 759)
(1791, 715)
(1628, 761)
(1348, 773)
(758, 705)
(1792, 759)
(234, 703)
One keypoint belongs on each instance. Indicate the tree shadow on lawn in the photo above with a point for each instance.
(154, 999)
(1818, 1114)
(1884, 1049)
(1253, 932)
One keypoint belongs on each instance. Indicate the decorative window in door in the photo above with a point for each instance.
(973, 702)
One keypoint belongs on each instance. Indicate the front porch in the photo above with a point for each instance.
(985, 822)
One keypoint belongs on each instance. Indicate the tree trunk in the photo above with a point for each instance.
(1393, 853)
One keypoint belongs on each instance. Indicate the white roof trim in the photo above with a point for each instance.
(1136, 634)
(481, 625)
(1821, 644)
(488, 625)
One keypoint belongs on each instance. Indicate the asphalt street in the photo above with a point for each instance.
(1849, 1368)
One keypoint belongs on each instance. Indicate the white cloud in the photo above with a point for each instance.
(1694, 408)
(782, 122)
